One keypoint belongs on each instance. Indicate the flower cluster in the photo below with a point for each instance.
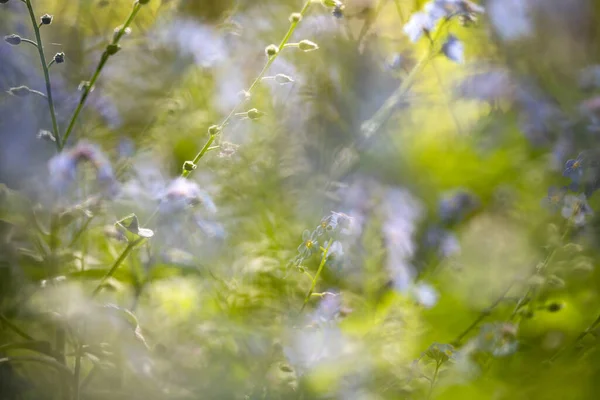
(424, 22)
(310, 240)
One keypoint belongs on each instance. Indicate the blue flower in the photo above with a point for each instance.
(309, 245)
(454, 207)
(574, 169)
(576, 209)
(555, 198)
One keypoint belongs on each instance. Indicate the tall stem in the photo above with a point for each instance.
(92, 82)
(270, 61)
(40, 48)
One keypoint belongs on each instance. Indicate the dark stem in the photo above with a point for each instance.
(40, 48)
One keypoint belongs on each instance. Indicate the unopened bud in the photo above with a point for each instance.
(189, 166)
(13, 39)
(307, 45)
(331, 3)
(295, 18)
(46, 19)
(59, 58)
(112, 49)
(253, 113)
(214, 129)
(271, 50)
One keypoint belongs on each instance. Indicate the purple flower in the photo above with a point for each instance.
(183, 193)
(454, 49)
(63, 167)
(555, 198)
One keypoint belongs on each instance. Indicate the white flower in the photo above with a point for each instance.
(425, 295)
(454, 49)
(418, 24)
(576, 208)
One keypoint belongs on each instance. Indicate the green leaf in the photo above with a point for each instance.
(131, 224)
(13, 206)
(38, 346)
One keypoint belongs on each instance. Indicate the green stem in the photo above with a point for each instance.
(14, 328)
(370, 127)
(256, 81)
(40, 48)
(316, 278)
(482, 315)
(433, 379)
(115, 266)
(101, 64)
(29, 41)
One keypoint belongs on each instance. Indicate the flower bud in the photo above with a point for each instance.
(112, 49)
(295, 18)
(13, 39)
(332, 3)
(214, 129)
(254, 114)
(59, 58)
(189, 166)
(307, 45)
(46, 19)
(271, 50)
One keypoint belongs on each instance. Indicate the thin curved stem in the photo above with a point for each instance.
(270, 61)
(40, 48)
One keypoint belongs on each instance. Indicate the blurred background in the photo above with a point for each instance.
(412, 216)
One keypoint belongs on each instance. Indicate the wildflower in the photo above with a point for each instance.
(576, 209)
(499, 339)
(455, 207)
(443, 241)
(309, 245)
(183, 193)
(13, 40)
(418, 24)
(328, 309)
(574, 169)
(63, 167)
(425, 295)
(336, 250)
(454, 49)
(46, 19)
(329, 223)
(555, 197)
